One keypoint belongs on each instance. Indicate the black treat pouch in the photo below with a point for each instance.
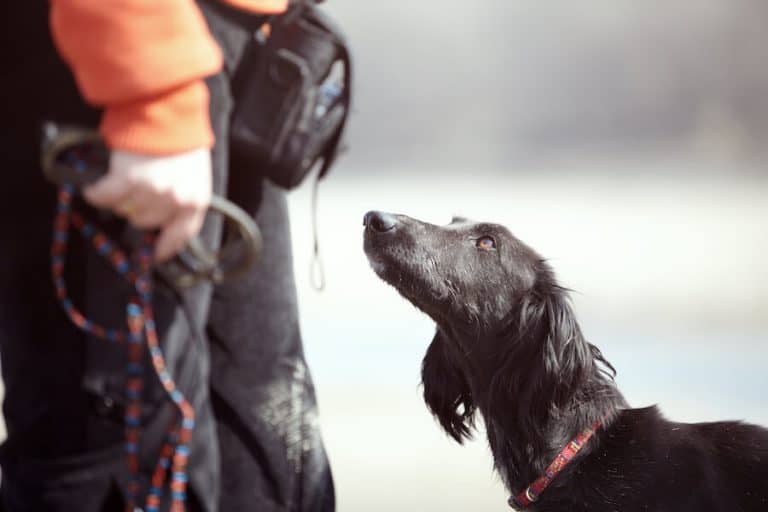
(292, 97)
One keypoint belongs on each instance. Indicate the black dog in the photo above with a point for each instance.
(508, 346)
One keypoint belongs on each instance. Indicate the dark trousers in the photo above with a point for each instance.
(235, 351)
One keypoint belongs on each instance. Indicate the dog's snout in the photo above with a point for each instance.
(380, 222)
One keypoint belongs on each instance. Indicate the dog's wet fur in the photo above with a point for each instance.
(508, 347)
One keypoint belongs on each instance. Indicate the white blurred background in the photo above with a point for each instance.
(625, 141)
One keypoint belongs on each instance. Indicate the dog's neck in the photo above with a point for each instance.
(526, 431)
(523, 450)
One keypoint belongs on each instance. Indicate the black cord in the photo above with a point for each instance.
(316, 268)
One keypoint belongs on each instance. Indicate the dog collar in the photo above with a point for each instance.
(532, 493)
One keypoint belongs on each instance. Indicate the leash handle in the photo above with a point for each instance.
(78, 157)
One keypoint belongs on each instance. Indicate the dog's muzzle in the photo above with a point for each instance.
(380, 222)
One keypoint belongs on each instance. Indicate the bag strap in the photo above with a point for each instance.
(335, 147)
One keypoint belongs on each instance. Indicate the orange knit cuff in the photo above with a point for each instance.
(260, 6)
(172, 122)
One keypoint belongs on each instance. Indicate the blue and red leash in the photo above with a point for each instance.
(140, 329)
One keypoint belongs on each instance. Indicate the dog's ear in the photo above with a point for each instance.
(543, 362)
(566, 356)
(446, 391)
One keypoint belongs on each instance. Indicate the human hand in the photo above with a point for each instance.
(170, 193)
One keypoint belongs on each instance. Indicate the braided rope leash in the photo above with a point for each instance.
(140, 329)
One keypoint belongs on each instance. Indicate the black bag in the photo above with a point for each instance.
(292, 97)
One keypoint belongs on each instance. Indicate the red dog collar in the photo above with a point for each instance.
(532, 493)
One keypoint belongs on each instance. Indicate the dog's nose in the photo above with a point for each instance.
(380, 221)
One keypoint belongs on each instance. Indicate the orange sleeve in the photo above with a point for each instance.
(143, 61)
(261, 6)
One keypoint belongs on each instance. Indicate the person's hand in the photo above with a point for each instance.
(169, 193)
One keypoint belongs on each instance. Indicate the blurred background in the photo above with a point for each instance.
(624, 140)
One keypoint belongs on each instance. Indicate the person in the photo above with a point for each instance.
(154, 77)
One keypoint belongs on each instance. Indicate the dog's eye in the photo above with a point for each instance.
(485, 243)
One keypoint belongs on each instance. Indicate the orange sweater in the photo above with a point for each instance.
(144, 61)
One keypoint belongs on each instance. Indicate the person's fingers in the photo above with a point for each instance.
(146, 210)
(129, 203)
(177, 233)
(109, 192)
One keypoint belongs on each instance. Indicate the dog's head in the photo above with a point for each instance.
(464, 272)
(507, 337)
